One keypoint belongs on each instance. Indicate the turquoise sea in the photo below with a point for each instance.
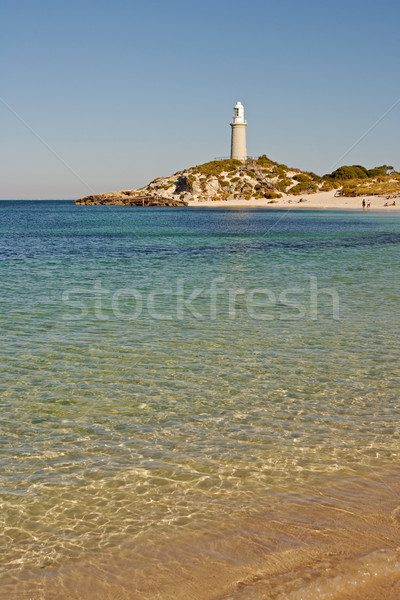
(198, 403)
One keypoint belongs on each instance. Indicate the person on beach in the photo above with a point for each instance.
(363, 203)
(369, 204)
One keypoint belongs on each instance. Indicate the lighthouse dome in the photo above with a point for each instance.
(238, 113)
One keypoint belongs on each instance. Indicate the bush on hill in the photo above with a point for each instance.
(347, 172)
(313, 176)
(380, 171)
(302, 177)
(304, 187)
(283, 184)
(264, 161)
(327, 186)
(358, 172)
(361, 187)
(216, 167)
(271, 194)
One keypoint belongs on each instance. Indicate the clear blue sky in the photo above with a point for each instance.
(124, 91)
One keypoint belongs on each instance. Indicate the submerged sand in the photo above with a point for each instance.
(320, 200)
(339, 542)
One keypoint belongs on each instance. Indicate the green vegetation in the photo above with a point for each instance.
(347, 172)
(313, 176)
(302, 177)
(282, 172)
(381, 171)
(358, 172)
(216, 167)
(264, 161)
(272, 194)
(283, 184)
(360, 187)
(357, 180)
(327, 186)
(305, 187)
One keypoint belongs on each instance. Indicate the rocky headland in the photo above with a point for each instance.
(255, 179)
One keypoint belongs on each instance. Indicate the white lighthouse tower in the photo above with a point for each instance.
(238, 139)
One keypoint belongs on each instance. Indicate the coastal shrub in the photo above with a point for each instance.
(216, 167)
(182, 185)
(348, 172)
(382, 170)
(302, 177)
(272, 194)
(357, 187)
(263, 160)
(313, 176)
(327, 186)
(304, 187)
(331, 183)
(282, 184)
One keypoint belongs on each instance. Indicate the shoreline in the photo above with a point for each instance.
(318, 201)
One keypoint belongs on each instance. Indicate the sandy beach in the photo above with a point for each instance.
(320, 200)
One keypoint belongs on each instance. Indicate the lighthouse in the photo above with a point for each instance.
(238, 139)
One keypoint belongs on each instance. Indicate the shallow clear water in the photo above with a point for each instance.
(171, 374)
